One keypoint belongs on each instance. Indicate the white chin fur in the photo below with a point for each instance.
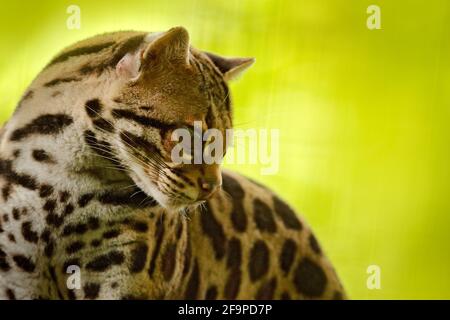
(151, 190)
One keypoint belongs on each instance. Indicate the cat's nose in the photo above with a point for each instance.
(208, 188)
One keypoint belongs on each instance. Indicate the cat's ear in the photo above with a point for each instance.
(231, 68)
(128, 66)
(165, 47)
(170, 46)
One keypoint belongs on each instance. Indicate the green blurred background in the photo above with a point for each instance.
(363, 114)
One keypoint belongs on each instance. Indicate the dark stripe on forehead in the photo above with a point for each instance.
(205, 85)
(216, 76)
(214, 81)
(220, 83)
(209, 119)
(81, 51)
(47, 124)
(196, 64)
(57, 81)
(142, 120)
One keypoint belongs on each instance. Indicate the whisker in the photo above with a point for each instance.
(109, 134)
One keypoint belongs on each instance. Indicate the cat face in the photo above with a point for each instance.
(165, 86)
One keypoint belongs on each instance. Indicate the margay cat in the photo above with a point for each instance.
(86, 180)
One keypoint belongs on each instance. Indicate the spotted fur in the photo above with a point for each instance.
(86, 180)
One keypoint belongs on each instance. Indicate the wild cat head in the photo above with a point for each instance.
(167, 88)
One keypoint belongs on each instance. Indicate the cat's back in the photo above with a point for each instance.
(87, 57)
(254, 245)
(85, 68)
